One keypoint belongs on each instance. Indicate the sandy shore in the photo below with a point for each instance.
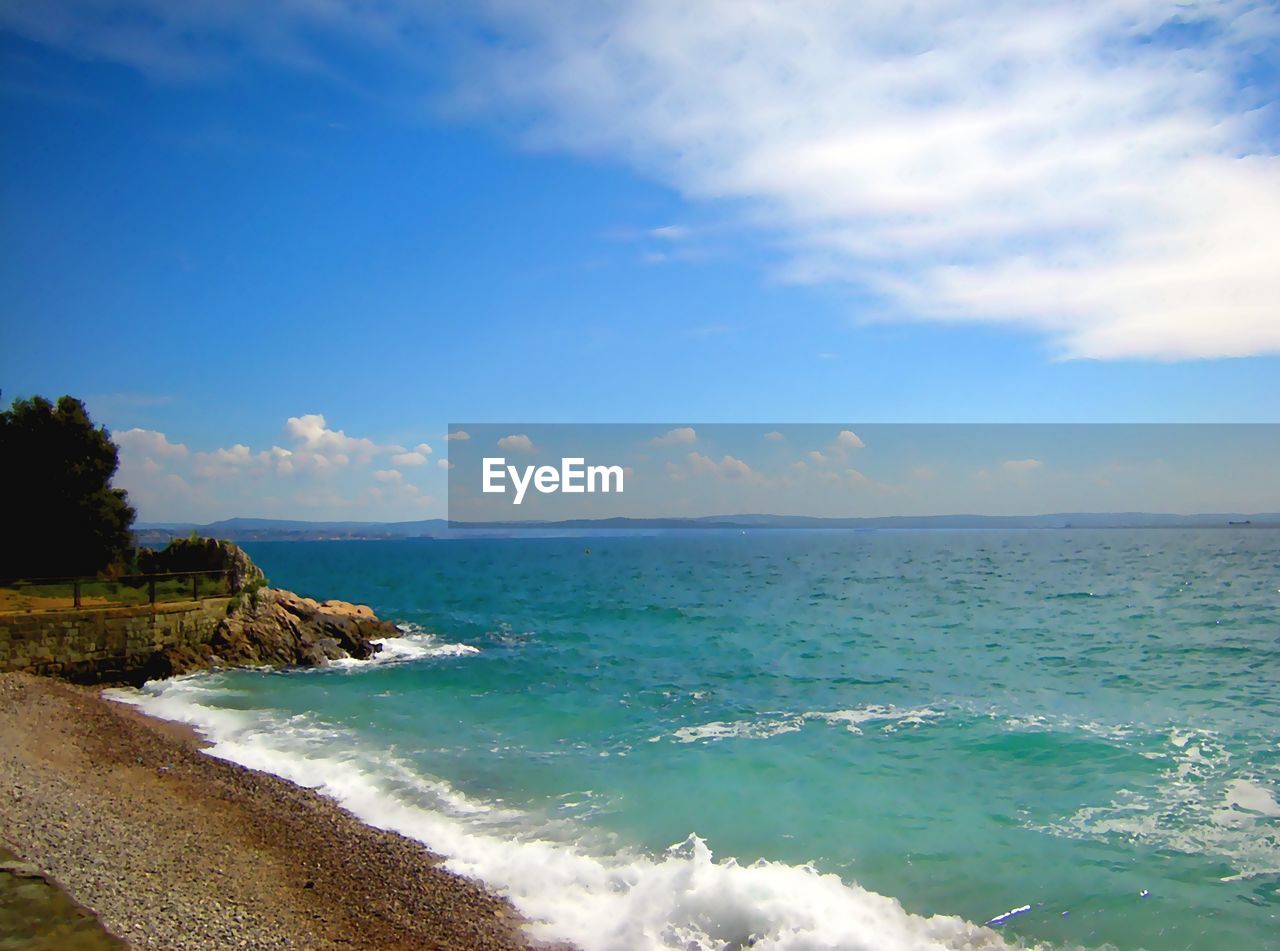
(175, 849)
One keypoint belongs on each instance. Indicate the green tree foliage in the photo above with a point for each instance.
(58, 513)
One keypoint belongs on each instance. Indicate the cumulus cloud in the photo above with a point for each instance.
(847, 440)
(517, 443)
(282, 458)
(680, 436)
(149, 443)
(444, 464)
(324, 468)
(314, 441)
(727, 467)
(412, 457)
(849, 479)
(774, 436)
(223, 462)
(459, 435)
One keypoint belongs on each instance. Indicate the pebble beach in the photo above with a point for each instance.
(172, 848)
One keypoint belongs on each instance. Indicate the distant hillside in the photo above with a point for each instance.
(275, 529)
(269, 529)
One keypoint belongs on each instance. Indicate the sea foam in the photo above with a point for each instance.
(889, 718)
(415, 643)
(599, 900)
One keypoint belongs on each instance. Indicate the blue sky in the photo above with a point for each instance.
(218, 218)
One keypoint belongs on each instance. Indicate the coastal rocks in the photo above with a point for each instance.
(203, 554)
(233, 620)
(281, 628)
(264, 627)
(277, 628)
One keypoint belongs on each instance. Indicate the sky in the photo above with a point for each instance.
(278, 249)
(641, 470)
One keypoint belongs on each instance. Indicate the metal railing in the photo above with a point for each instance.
(30, 595)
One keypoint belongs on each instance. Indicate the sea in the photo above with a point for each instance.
(822, 739)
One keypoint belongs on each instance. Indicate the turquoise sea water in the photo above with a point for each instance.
(1085, 724)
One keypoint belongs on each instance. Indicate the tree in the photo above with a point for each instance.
(59, 514)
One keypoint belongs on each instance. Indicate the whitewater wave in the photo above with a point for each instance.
(889, 718)
(598, 900)
(1200, 804)
(415, 643)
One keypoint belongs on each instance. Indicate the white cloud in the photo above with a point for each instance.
(460, 435)
(1087, 171)
(283, 459)
(728, 467)
(847, 440)
(849, 479)
(223, 462)
(774, 436)
(1093, 172)
(315, 442)
(148, 442)
(329, 467)
(414, 457)
(680, 436)
(517, 443)
(444, 464)
(1021, 465)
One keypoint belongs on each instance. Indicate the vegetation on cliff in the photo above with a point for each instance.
(60, 513)
(196, 554)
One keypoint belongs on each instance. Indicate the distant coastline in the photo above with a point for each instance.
(267, 529)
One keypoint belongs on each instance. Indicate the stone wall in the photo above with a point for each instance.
(105, 644)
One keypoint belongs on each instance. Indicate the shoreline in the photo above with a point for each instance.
(172, 848)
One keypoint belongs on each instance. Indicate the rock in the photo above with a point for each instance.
(262, 627)
(280, 628)
(203, 554)
(267, 626)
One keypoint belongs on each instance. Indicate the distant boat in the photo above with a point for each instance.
(1245, 522)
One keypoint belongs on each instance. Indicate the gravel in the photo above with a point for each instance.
(174, 849)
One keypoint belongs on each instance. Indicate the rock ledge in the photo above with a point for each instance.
(277, 628)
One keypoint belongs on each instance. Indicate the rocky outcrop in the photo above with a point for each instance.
(276, 628)
(264, 627)
(256, 626)
(281, 628)
(203, 554)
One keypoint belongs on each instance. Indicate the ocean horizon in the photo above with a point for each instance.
(787, 739)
